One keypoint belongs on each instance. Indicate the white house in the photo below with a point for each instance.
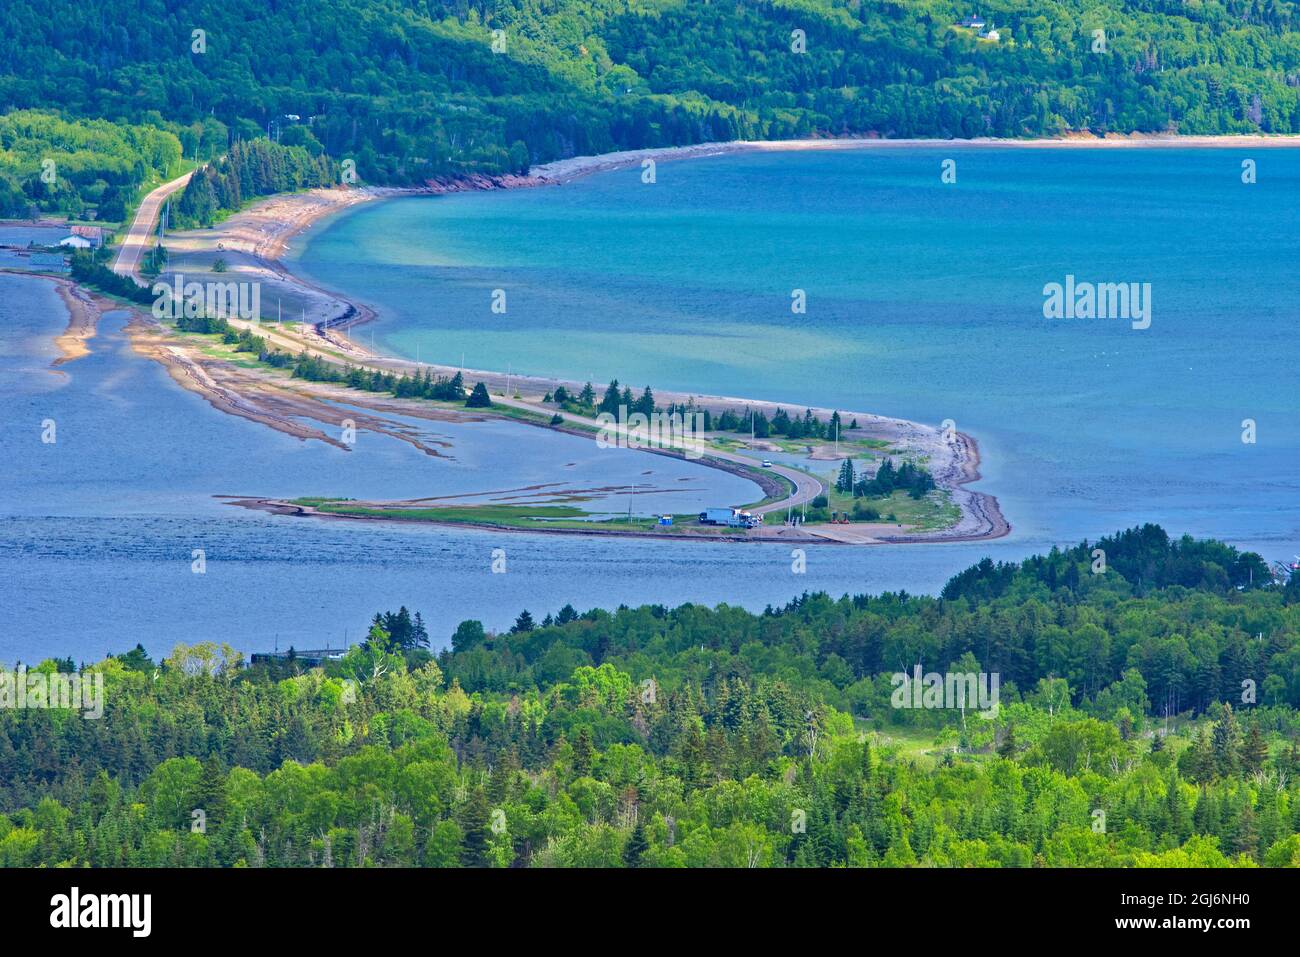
(974, 22)
(990, 35)
(76, 242)
(94, 233)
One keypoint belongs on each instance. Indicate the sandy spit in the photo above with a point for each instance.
(308, 317)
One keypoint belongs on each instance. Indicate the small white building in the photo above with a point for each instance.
(990, 35)
(94, 233)
(76, 242)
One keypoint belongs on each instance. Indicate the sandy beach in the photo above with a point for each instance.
(287, 405)
(84, 309)
(563, 171)
(953, 458)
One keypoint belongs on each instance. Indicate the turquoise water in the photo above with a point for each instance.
(922, 303)
(925, 301)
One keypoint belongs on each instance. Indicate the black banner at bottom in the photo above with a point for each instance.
(144, 907)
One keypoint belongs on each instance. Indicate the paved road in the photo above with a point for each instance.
(137, 237)
(806, 488)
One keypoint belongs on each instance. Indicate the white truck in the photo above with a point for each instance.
(731, 517)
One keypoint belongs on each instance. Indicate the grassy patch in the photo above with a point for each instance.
(918, 744)
(798, 446)
(508, 516)
(935, 511)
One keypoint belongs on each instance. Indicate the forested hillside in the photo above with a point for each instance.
(52, 165)
(250, 169)
(415, 88)
(1146, 717)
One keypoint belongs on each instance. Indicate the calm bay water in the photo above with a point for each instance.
(924, 301)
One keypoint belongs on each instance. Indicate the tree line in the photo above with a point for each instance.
(693, 737)
(250, 169)
(413, 92)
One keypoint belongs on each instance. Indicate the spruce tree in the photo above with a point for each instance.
(1226, 743)
(474, 819)
(1007, 747)
(636, 846)
(583, 753)
(845, 482)
(1245, 836)
(1179, 823)
(1254, 752)
(609, 403)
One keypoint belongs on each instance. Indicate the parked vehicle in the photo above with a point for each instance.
(730, 517)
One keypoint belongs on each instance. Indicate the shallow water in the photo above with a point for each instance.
(98, 530)
(922, 304)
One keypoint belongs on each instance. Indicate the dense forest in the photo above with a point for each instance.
(52, 165)
(250, 169)
(413, 89)
(1146, 717)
